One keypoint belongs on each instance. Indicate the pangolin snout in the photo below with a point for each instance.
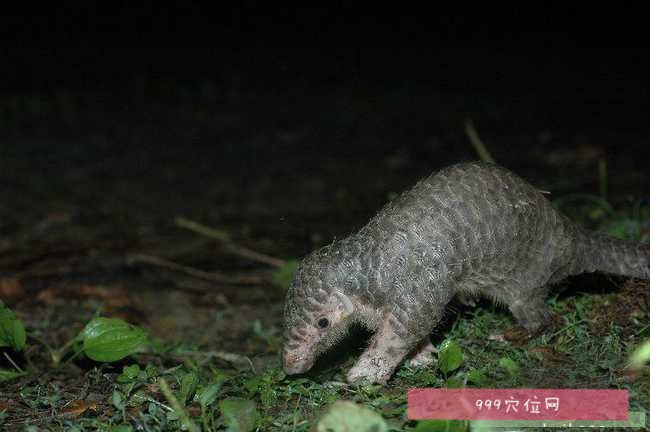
(296, 362)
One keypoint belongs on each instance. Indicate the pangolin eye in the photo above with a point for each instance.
(323, 323)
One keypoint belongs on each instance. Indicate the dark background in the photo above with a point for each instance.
(292, 147)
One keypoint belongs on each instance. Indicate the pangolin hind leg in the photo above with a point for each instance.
(531, 313)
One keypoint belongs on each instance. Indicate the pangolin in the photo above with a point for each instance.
(471, 229)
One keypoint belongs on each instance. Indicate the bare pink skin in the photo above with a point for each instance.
(300, 359)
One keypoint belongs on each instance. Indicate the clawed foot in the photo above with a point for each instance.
(423, 357)
(378, 370)
(533, 315)
(520, 335)
(370, 371)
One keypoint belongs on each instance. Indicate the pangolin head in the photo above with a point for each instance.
(317, 313)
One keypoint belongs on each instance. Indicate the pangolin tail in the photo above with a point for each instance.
(596, 251)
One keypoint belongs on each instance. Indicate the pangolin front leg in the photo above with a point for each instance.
(385, 352)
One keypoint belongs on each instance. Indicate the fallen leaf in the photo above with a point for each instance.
(53, 219)
(77, 407)
(11, 288)
(547, 354)
(516, 335)
(194, 410)
(134, 412)
(113, 296)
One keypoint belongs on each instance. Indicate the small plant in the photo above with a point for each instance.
(12, 331)
(102, 340)
(13, 336)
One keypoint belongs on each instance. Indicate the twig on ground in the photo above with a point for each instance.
(476, 142)
(182, 414)
(232, 247)
(194, 272)
(13, 363)
(222, 355)
(204, 230)
(602, 177)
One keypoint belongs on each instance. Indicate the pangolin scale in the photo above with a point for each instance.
(469, 229)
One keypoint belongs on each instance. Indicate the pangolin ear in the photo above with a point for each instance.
(345, 300)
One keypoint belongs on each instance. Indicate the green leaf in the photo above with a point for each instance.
(12, 332)
(117, 400)
(283, 276)
(253, 383)
(129, 373)
(450, 356)
(138, 398)
(121, 428)
(111, 339)
(641, 355)
(9, 374)
(189, 381)
(150, 371)
(239, 415)
(348, 416)
(509, 365)
(455, 382)
(207, 395)
(476, 377)
(442, 426)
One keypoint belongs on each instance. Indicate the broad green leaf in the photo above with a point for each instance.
(239, 415)
(442, 426)
(111, 339)
(283, 276)
(509, 365)
(450, 356)
(9, 374)
(12, 332)
(345, 416)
